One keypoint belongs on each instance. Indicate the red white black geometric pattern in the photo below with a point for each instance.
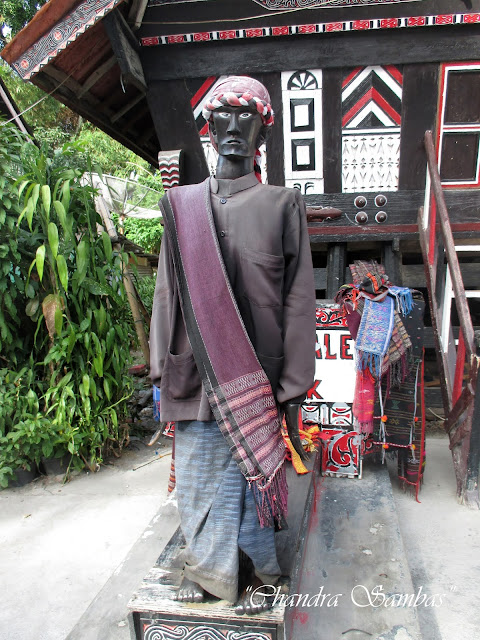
(278, 5)
(285, 5)
(67, 30)
(324, 27)
(169, 167)
(372, 98)
(197, 100)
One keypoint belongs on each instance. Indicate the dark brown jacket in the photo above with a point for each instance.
(262, 232)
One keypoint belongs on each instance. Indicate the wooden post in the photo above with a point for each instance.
(104, 212)
(336, 263)
(471, 492)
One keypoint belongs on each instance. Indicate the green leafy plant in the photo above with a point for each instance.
(14, 252)
(25, 433)
(80, 302)
(65, 336)
(146, 288)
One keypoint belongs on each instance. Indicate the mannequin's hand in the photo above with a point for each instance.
(291, 410)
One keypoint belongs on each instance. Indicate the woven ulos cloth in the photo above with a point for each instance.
(373, 309)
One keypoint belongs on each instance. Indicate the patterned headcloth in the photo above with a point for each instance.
(240, 91)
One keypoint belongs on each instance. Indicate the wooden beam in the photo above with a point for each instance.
(332, 129)
(139, 113)
(96, 75)
(63, 80)
(460, 407)
(136, 13)
(68, 81)
(125, 109)
(419, 110)
(433, 44)
(149, 133)
(275, 154)
(94, 115)
(434, 314)
(176, 127)
(336, 264)
(124, 45)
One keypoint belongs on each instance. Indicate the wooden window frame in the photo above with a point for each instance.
(443, 128)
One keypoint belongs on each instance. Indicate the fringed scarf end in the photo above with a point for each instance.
(403, 299)
(370, 361)
(271, 499)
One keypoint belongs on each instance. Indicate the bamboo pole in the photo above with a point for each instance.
(103, 210)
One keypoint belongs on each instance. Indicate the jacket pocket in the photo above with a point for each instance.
(263, 277)
(273, 368)
(183, 379)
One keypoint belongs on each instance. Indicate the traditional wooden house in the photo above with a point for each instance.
(355, 84)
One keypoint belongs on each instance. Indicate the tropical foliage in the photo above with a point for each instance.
(64, 330)
(14, 15)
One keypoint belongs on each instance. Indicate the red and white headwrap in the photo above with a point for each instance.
(240, 91)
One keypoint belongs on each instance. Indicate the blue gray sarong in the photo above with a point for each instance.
(218, 513)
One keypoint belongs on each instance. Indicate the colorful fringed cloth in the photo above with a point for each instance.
(374, 333)
(364, 401)
(237, 387)
(373, 307)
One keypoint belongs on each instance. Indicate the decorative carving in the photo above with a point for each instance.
(371, 119)
(302, 80)
(341, 453)
(67, 30)
(211, 154)
(302, 130)
(278, 5)
(169, 164)
(317, 28)
(200, 632)
(370, 162)
(372, 98)
(197, 101)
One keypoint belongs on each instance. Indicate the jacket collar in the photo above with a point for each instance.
(229, 187)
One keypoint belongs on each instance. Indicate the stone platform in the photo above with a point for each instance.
(349, 577)
(156, 616)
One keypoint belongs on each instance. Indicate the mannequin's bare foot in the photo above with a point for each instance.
(255, 599)
(189, 591)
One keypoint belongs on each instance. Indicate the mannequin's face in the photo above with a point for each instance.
(236, 131)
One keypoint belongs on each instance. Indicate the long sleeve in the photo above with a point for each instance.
(299, 308)
(160, 329)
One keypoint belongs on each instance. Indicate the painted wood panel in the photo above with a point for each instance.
(371, 121)
(302, 129)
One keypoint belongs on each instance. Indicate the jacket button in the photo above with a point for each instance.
(223, 200)
(223, 234)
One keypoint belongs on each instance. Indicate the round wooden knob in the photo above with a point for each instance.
(380, 200)
(361, 217)
(381, 216)
(360, 202)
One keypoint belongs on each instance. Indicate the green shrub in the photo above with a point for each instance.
(64, 332)
(146, 288)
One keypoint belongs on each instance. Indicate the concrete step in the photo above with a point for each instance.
(351, 579)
